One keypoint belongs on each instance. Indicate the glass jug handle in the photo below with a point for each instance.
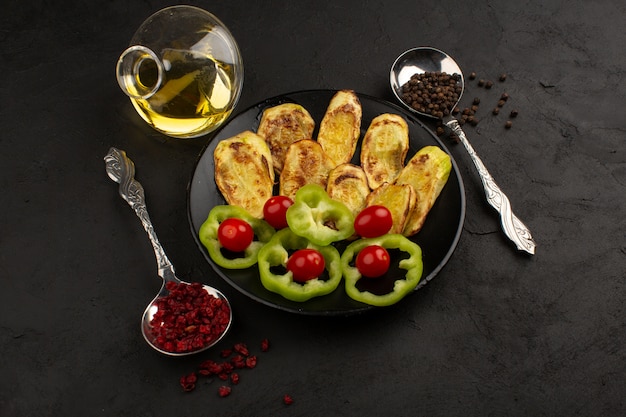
(139, 72)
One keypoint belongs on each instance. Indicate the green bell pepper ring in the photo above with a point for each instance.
(275, 253)
(402, 285)
(208, 236)
(318, 218)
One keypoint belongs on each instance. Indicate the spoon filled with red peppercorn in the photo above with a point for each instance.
(183, 318)
(430, 83)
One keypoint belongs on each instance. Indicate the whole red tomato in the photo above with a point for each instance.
(275, 209)
(235, 234)
(372, 261)
(373, 221)
(306, 264)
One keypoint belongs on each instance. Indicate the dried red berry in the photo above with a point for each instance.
(224, 391)
(226, 353)
(234, 378)
(251, 362)
(188, 318)
(265, 345)
(287, 399)
(188, 382)
(242, 349)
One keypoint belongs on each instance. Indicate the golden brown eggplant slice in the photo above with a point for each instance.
(427, 171)
(400, 199)
(305, 163)
(340, 128)
(283, 125)
(347, 183)
(384, 149)
(243, 171)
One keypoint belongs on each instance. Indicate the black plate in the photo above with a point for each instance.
(438, 237)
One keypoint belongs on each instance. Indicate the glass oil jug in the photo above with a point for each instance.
(183, 71)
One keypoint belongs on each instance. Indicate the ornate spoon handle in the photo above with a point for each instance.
(122, 170)
(513, 227)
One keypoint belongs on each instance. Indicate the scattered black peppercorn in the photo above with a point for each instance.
(495, 111)
(440, 131)
(476, 101)
(501, 103)
(481, 83)
(514, 113)
(488, 84)
(504, 96)
(472, 75)
(508, 124)
(502, 77)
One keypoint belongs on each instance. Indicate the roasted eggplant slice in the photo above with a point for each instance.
(283, 125)
(384, 149)
(427, 171)
(340, 128)
(305, 163)
(347, 183)
(400, 199)
(243, 171)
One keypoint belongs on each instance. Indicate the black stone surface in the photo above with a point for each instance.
(496, 333)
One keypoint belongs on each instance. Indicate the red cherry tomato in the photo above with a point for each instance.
(306, 264)
(372, 261)
(275, 209)
(235, 234)
(373, 221)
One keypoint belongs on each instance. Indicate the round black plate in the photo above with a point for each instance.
(438, 237)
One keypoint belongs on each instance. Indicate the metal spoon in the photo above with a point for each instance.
(122, 170)
(420, 60)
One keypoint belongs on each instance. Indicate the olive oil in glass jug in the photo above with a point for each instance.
(183, 72)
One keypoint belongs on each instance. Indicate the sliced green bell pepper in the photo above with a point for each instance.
(318, 218)
(208, 236)
(402, 285)
(276, 252)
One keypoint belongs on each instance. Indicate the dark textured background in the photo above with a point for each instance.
(496, 333)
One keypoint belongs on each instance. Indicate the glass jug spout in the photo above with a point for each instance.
(139, 72)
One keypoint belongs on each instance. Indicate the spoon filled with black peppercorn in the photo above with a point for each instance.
(184, 318)
(429, 82)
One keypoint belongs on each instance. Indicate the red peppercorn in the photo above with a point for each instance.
(287, 399)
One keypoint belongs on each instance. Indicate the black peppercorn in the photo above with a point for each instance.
(434, 93)
(481, 83)
(495, 111)
(508, 124)
(472, 75)
(476, 100)
(514, 113)
(502, 77)
(488, 84)
(504, 96)
(501, 103)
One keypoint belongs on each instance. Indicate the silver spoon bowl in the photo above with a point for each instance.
(122, 170)
(426, 59)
